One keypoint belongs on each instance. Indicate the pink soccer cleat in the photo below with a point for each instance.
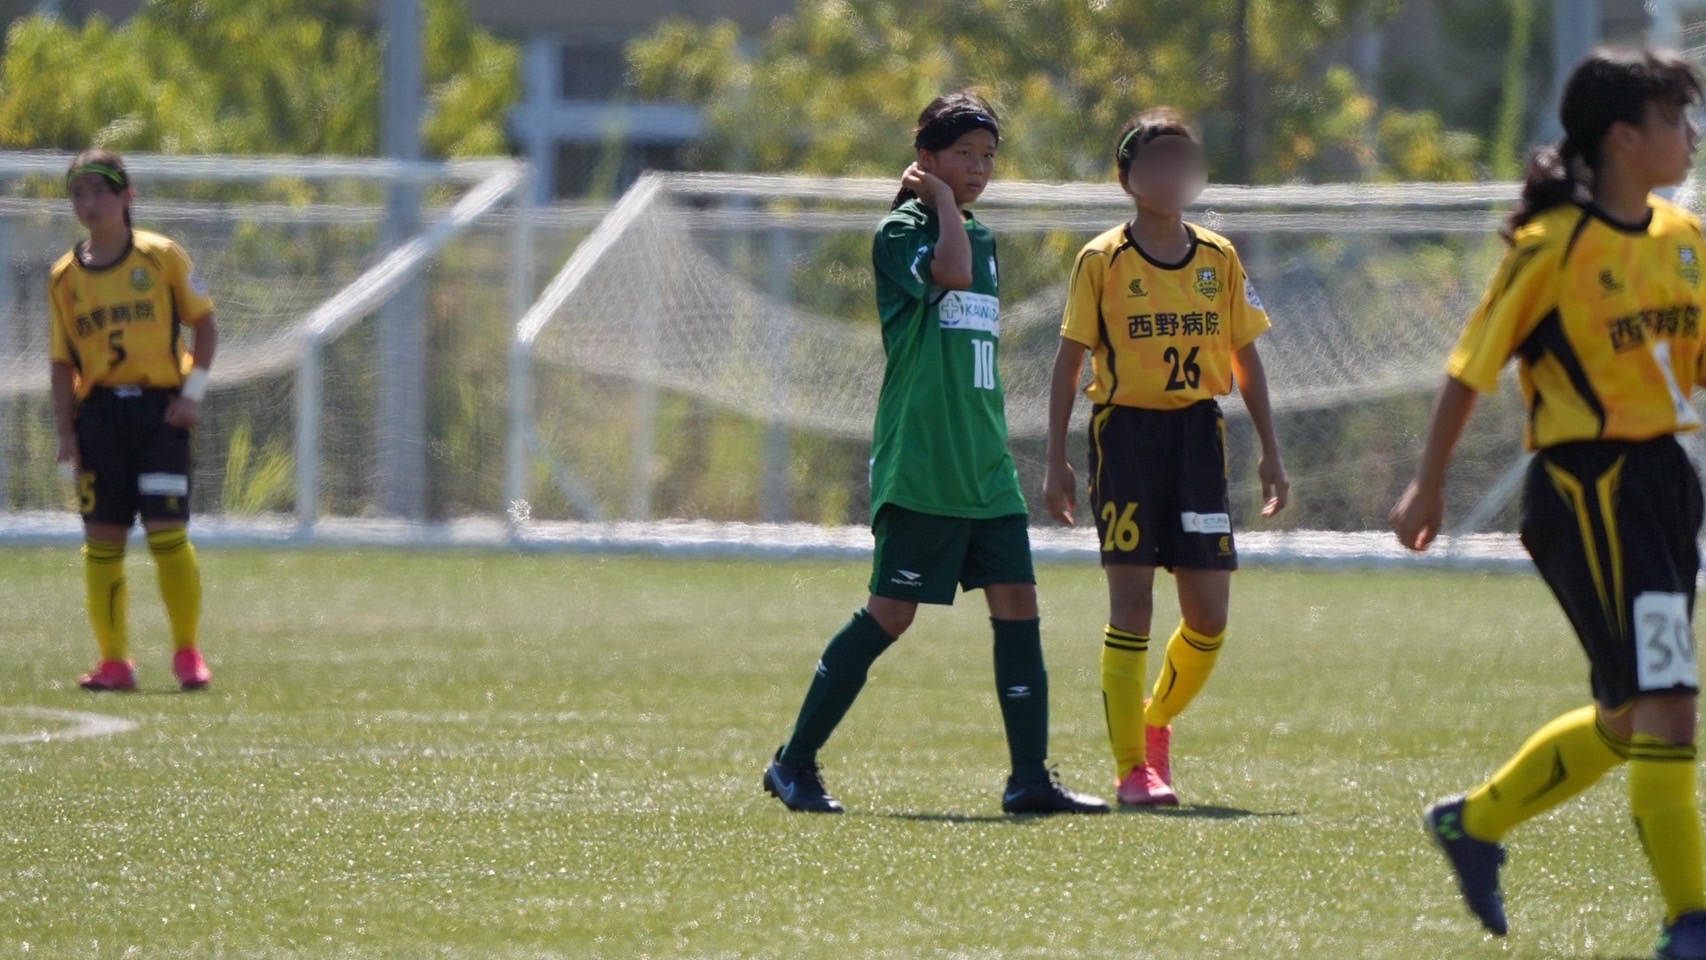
(1143, 787)
(191, 669)
(110, 676)
(1158, 751)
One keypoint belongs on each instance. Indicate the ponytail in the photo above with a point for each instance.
(1611, 86)
(1550, 181)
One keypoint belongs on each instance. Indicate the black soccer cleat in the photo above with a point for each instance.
(1683, 940)
(1044, 794)
(799, 786)
(1476, 863)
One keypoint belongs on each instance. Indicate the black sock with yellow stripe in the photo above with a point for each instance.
(1125, 666)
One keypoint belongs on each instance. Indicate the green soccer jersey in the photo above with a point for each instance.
(940, 443)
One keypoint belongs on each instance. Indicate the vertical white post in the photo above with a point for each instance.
(542, 76)
(777, 482)
(9, 321)
(401, 415)
(646, 349)
(308, 437)
(520, 418)
(1576, 29)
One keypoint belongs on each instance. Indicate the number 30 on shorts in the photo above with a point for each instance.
(1120, 523)
(1664, 642)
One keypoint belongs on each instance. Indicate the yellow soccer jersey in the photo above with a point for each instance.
(1161, 335)
(121, 325)
(1604, 319)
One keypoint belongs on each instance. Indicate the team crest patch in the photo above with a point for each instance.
(1688, 264)
(140, 281)
(1208, 282)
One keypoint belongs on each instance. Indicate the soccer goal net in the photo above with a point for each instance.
(711, 353)
(303, 257)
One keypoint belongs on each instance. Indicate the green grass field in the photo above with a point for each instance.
(412, 755)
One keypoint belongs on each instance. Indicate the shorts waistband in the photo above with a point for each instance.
(130, 391)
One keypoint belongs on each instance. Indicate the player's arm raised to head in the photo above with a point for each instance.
(950, 269)
(950, 263)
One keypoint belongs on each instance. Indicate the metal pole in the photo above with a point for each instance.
(777, 483)
(516, 461)
(10, 317)
(308, 437)
(1576, 29)
(647, 349)
(401, 414)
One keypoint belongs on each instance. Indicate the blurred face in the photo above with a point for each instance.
(1167, 174)
(966, 165)
(98, 206)
(1660, 149)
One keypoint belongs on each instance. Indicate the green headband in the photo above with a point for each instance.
(1132, 133)
(106, 171)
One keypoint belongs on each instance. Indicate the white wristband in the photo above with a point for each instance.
(195, 385)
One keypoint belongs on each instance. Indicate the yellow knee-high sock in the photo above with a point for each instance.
(1190, 659)
(103, 574)
(1559, 761)
(1667, 817)
(180, 583)
(1125, 665)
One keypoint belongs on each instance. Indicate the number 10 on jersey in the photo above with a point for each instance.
(983, 364)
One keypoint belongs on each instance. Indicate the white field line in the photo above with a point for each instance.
(79, 724)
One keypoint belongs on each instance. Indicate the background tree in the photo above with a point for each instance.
(825, 90)
(246, 76)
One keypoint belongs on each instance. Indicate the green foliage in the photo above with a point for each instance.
(240, 76)
(830, 88)
(266, 485)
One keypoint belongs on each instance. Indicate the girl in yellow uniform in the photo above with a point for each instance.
(1170, 321)
(1599, 300)
(125, 396)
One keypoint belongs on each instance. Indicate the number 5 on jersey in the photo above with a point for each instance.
(983, 364)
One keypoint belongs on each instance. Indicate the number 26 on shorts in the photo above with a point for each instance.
(1664, 642)
(1119, 522)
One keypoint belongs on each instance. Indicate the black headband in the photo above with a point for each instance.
(944, 130)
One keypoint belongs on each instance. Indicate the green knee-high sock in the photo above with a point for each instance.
(1021, 685)
(840, 676)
